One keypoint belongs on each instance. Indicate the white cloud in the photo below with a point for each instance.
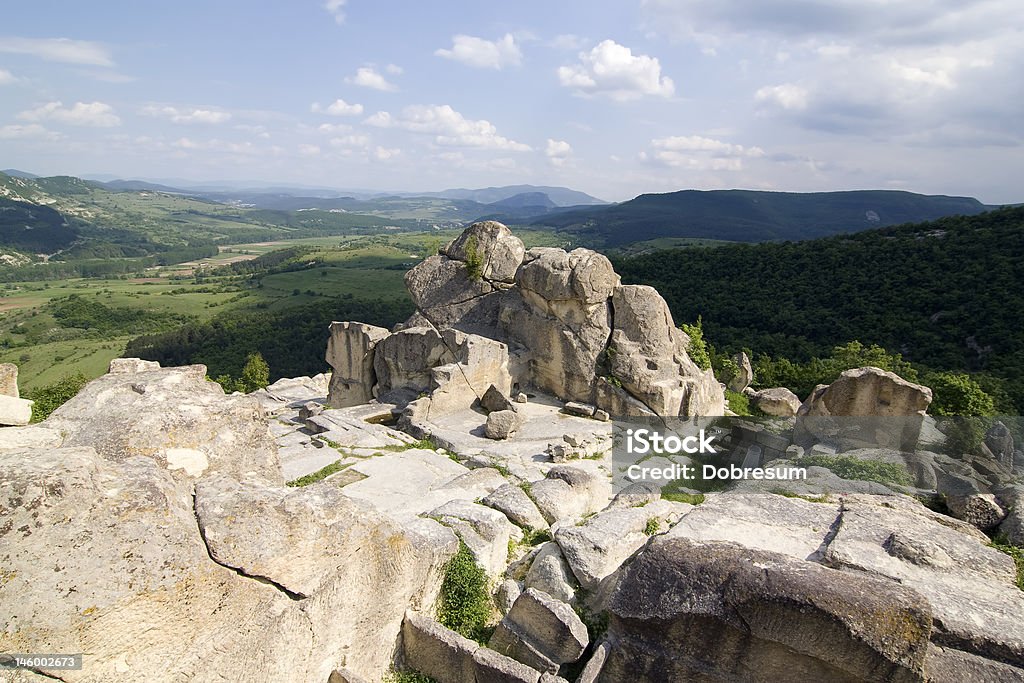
(557, 152)
(696, 152)
(483, 54)
(31, 131)
(350, 141)
(449, 127)
(385, 153)
(216, 145)
(334, 128)
(59, 50)
(188, 115)
(6, 77)
(309, 150)
(786, 95)
(394, 69)
(613, 70)
(95, 114)
(338, 108)
(368, 77)
(336, 8)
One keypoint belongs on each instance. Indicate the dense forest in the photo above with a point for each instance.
(293, 341)
(946, 295)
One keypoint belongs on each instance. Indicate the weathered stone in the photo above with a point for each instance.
(130, 366)
(350, 352)
(403, 361)
(521, 397)
(686, 610)
(309, 410)
(484, 530)
(343, 675)
(446, 296)
(15, 411)
(595, 549)
(568, 492)
(777, 401)
(494, 667)
(949, 665)
(592, 670)
(581, 409)
(517, 506)
(549, 573)
(493, 400)
(978, 509)
(176, 417)
(999, 441)
(13, 439)
(478, 364)
(540, 632)
(602, 415)
(438, 652)
(508, 592)
(106, 557)
(744, 373)
(1012, 500)
(502, 424)
(9, 380)
(495, 249)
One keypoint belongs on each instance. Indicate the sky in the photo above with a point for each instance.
(615, 98)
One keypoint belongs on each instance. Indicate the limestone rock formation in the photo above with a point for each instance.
(9, 380)
(491, 312)
(776, 401)
(350, 353)
(744, 375)
(540, 632)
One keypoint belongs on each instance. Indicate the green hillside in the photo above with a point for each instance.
(750, 216)
(947, 295)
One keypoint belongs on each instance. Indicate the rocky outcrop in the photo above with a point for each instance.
(174, 416)
(776, 401)
(744, 373)
(687, 610)
(557, 321)
(350, 352)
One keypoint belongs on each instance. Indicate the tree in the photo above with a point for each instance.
(255, 374)
(958, 395)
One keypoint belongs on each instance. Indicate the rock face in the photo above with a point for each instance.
(491, 312)
(105, 551)
(350, 353)
(9, 380)
(174, 416)
(777, 401)
(685, 611)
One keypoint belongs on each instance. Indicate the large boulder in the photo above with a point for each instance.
(776, 401)
(541, 632)
(350, 351)
(478, 363)
(15, 411)
(717, 611)
(744, 374)
(889, 411)
(647, 355)
(105, 556)
(403, 360)
(176, 417)
(491, 247)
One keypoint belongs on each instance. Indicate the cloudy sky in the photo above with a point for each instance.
(611, 97)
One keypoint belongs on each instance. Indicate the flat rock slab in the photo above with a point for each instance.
(13, 439)
(765, 521)
(408, 484)
(349, 429)
(541, 632)
(517, 506)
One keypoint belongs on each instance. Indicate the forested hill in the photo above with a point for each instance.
(948, 294)
(751, 216)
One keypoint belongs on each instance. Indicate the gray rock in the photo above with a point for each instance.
(485, 530)
(493, 400)
(569, 492)
(174, 416)
(501, 424)
(777, 401)
(438, 652)
(540, 632)
(949, 665)
(9, 380)
(350, 352)
(999, 441)
(13, 439)
(508, 592)
(403, 361)
(493, 667)
(478, 364)
(343, 675)
(592, 670)
(108, 555)
(1012, 500)
(686, 610)
(497, 250)
(521, 397)
(581, 409)
(602, 415)
(549, 573)
(744, 375)
(597, 548)
(15, 411)
(447, 297)
(309, 410)
(978, 509)
(517, 506)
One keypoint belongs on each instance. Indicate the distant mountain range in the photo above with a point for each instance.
(752, 216)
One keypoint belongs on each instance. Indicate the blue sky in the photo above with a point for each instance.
(613, 98)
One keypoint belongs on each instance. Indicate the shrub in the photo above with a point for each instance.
(474, 259)
(255, 374)
(854, 468)
(465, 602)
(53, 396)
(738, 403)
(698, 349)
(1018, 558)
(958, 394)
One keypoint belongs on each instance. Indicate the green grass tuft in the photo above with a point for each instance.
(465, 602)
(1014, 552)
(862, 470)
(653, 526)
(319, 475)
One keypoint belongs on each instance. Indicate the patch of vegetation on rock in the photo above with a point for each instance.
(465, 602)
(862, 470)
(53, 396)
